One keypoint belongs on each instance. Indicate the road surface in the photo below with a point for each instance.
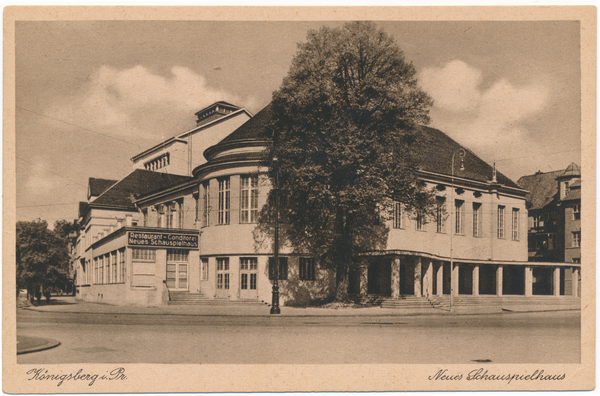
(547, 337)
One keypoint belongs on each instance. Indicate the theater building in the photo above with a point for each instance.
(192, 236)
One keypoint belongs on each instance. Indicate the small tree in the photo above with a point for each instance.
(42, 259)
(345, 132)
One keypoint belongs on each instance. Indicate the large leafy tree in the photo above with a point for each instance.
(345, 133)
(42, 258)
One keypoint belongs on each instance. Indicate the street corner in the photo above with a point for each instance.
(27, 344)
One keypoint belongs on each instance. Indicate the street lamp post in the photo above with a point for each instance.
(461, 154)
(275, 302)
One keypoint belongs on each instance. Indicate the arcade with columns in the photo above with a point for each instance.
(400, 274)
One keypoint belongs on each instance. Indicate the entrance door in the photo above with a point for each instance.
(177, 276)
(177, 270)
(248, 278)
(222, 277)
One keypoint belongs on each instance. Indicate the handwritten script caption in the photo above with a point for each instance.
(484, 375)
(41, 374)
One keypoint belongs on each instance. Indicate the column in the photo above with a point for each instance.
(499, 280)
(363, 270)
(454, 280)
(476, 280)
(575, 280)
(428, 289)
(556, 281)
(440, 279)
(417, 277)
(396, 278)
(528, 282)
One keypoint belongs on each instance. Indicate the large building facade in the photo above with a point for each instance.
(154, 237)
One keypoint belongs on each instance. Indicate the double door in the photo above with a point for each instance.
(248, 278)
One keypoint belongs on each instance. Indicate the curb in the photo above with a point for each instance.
(40, 344)
(391, 313)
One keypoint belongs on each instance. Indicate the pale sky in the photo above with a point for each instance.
(90, 95)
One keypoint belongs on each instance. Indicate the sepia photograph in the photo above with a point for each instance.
(324, 195)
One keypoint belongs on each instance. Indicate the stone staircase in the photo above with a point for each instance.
(187, 298)
(484, 303)
(409, 302)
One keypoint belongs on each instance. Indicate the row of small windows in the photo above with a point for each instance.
(158, 162)
(248, 200)
(107, 269)
(459, 219)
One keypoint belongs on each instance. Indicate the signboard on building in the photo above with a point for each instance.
(154, 239)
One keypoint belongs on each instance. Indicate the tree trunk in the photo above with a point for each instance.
(341, 278)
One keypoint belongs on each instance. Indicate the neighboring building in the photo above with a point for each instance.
(554, 221)
(155, 242)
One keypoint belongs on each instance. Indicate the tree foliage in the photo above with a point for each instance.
(345, 133)
(42, 258)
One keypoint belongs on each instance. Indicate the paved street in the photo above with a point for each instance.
(542, 337)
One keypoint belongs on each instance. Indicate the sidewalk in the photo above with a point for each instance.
(72, 305)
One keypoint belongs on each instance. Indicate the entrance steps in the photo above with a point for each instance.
(485, 303)
(408, 302)
(187, 298)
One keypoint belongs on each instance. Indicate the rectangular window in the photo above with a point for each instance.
(249, 199)
(307, 269)
(440, 212)
(223, 273)
(459, 215)
(477, 220)
(576, 241)
(143, 254)
(171, 214)
(515, 224)
(160, 218)
(95, 273)
(419, 221)
(283, 268)
(205, 204)
(576, 213)
(500, 222)
(100, 270)
(204, 272)
(224, 196)
(180, 213)
(145, 214)
(123, 268)
(107, 268)
(249, 264)
(113, 260)
(177, 255)
(397, 215)
(538, 221)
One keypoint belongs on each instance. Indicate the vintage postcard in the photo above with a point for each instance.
(277, 199)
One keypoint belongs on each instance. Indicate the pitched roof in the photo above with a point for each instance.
(542, 188)
(436, 156)
(437, 153)
(573, 195)
(98, 186)
(138, 182)
(572, 170)
(253, 129)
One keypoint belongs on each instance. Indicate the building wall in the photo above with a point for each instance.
(486, 246)
(572, 225)
(201, 139)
